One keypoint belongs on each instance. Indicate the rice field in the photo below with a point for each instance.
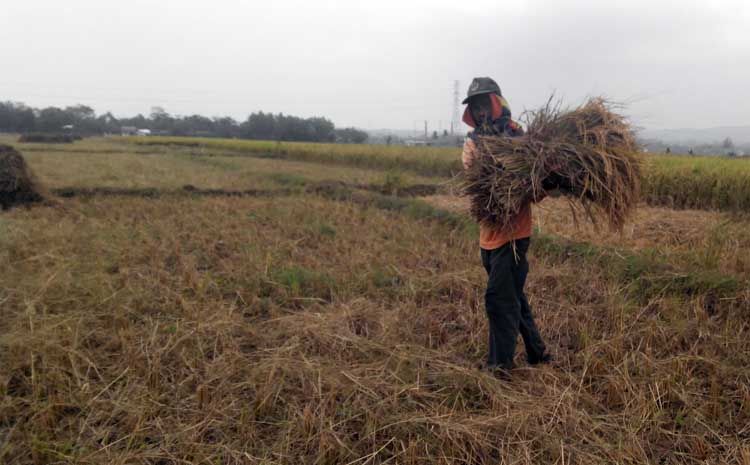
(301, 309)
(433, 161)
(707, 183)
(710, 183)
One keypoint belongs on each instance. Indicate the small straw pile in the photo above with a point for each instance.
(18, 186)
(588, 153)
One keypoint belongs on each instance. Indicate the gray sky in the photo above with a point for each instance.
(376, 64)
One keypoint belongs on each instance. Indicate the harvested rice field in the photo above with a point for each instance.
(194, 301)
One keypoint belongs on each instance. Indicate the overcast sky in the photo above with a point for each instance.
(378, 63)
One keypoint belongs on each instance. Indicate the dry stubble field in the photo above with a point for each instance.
(282, 311)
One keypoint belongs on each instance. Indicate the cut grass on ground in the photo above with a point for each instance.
(332, 324)
(205, 330)
(686, 239)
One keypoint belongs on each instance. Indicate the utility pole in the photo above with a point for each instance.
(425, 130)
(455, 121)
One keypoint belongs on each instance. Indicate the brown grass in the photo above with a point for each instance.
(300, 330)
(137, 333)
(687, 239)
(587, 153)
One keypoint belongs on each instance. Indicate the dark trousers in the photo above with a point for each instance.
(508, 310)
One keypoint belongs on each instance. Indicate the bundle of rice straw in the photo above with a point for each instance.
(18, 185)
(588, 153)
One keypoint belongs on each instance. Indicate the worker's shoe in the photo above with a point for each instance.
(499, 372)
(503, 374)
(545, 358)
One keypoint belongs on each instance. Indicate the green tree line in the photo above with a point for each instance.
(83, 120)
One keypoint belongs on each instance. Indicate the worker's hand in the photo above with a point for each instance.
(469, 153)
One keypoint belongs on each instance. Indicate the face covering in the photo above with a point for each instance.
(481, 109)
(496, 116)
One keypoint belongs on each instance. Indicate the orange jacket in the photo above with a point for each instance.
(489, 237)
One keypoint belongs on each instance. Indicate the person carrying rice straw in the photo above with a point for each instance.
(503, 252)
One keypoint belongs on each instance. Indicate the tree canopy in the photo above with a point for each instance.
(17, 117)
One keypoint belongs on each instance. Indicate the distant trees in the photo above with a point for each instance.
(83, 118)
(728, 147)
(351, 136)
(226, 127)
(52, 119)
(288, 128)
(16, 117)
(323, 130)
(193, 125)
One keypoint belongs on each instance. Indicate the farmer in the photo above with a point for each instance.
(503, 254)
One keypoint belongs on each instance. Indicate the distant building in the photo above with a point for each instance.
(134, 131)
(417, 143)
